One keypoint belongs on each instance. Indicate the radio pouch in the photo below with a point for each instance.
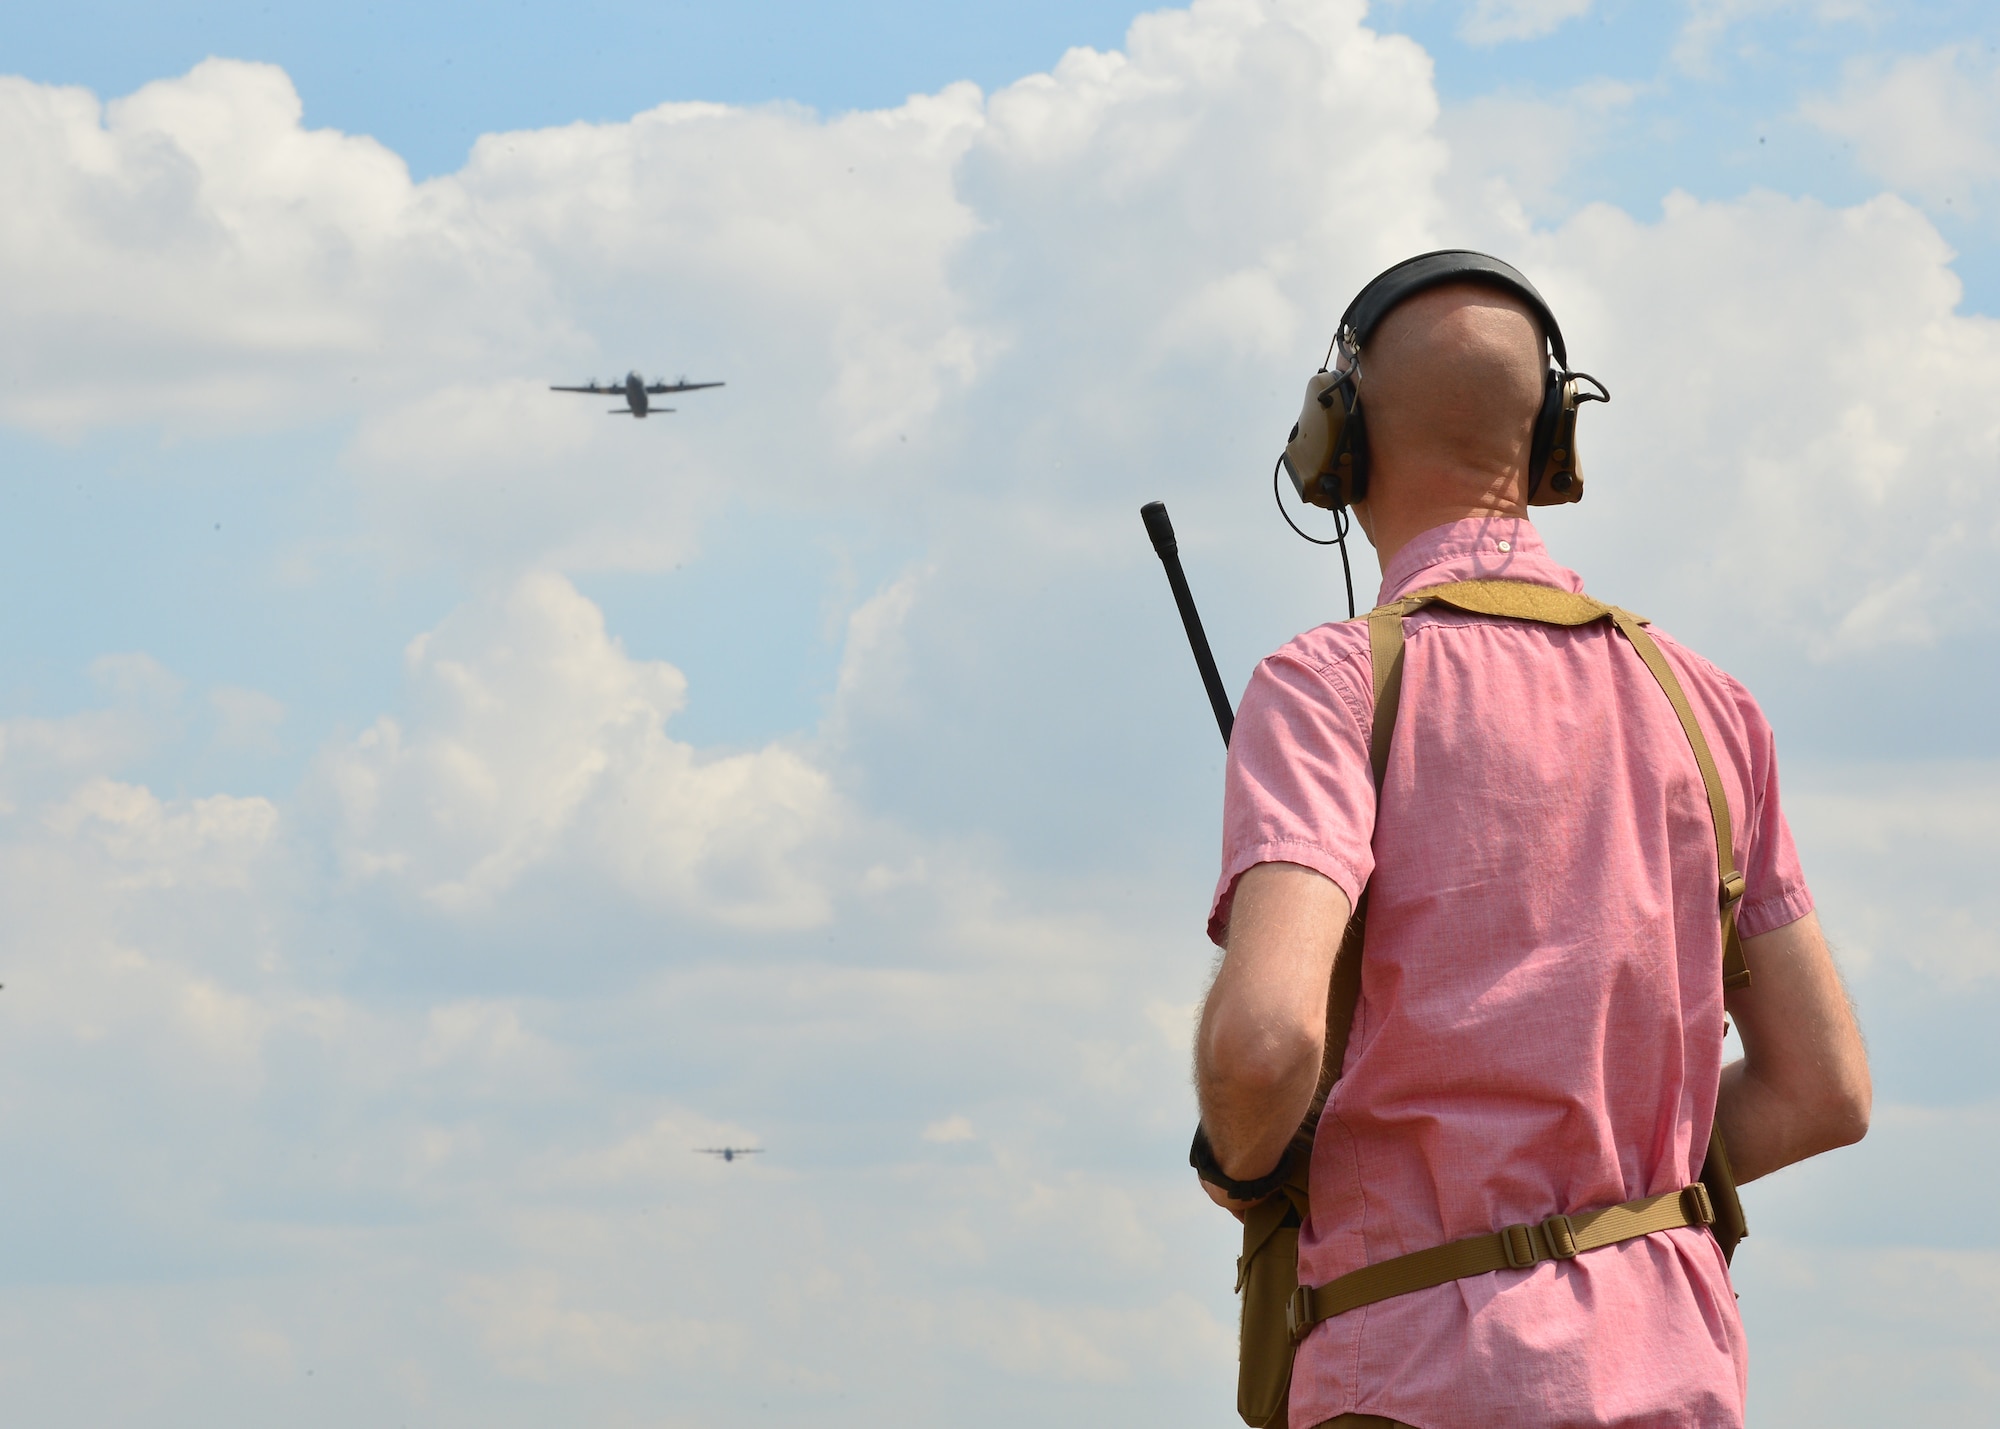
(1267, 1272)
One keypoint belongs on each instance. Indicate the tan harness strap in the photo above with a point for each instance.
(1385, 652)
(1516, 1247)
(1516, 599)
(1735, 972)
(1512, 600)
(1545, 605)
(1343, 993)
(1560, 1236)
(1267, 1272)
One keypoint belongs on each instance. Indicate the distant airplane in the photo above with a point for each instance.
(634, 390)
(728, 1153)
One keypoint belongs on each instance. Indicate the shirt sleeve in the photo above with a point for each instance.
(1298, 788)
(1774, 883)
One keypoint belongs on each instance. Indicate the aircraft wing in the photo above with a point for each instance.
(683, 386)
(593, 387)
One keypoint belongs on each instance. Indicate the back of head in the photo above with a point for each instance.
(1453, 379)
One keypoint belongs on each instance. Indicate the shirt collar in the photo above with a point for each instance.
(1477, 548)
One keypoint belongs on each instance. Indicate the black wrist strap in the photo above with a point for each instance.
(1201, 1156)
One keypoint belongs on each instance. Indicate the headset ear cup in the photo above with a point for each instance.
(1544, 440)
(1562, 473)
(1318, 455)
(1354, 483)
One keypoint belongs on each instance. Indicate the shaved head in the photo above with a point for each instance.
(1452, 380)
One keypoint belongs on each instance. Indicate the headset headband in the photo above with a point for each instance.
(1446, 265)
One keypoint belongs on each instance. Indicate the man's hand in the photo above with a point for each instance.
(1257, 1053)
(1228, 1202)
(1802, 1086)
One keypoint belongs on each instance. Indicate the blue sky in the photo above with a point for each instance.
(429, 79)
(429, 806)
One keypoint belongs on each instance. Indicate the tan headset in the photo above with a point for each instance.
(1327, 452)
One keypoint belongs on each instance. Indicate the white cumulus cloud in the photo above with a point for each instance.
(1797, 402)
(1929, 125)
(533, 737)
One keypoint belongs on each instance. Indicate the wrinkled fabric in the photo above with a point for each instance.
(1540, 1025)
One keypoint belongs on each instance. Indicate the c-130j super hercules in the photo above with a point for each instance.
(634, 389)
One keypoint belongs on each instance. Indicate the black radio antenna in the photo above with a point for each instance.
(1154, 514)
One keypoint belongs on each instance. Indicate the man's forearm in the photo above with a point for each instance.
(1253, 1094)
(1803, 1086)
(1257, 1054)
(1759, 1126)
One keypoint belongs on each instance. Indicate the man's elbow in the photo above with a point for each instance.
(1831, 1114)
(1251, 1063)
(1844, 1115)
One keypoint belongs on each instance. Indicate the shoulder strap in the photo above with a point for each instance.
(1520, 600)
(1735, 972)
(1343, 992)
(1512, 600)
(1545, 605)
(1385, 648)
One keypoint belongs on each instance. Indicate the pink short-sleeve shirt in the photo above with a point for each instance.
(1540, 1024)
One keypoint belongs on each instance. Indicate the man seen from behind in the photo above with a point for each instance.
(1539, 1031)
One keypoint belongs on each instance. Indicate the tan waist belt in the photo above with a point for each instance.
(1516, 1248)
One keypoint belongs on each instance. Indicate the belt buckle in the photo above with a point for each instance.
(1696, 1205)
(1298, 1313)
(1560, 1236)
(1517, 1243)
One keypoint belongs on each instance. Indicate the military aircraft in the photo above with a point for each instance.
(728, 1153)
(634, 389)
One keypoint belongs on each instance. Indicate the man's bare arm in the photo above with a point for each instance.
(1802, 1086)
(1257, 1053)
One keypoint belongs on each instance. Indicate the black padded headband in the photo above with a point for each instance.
(1446, 265)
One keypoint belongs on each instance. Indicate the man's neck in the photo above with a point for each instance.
(1406, 509)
